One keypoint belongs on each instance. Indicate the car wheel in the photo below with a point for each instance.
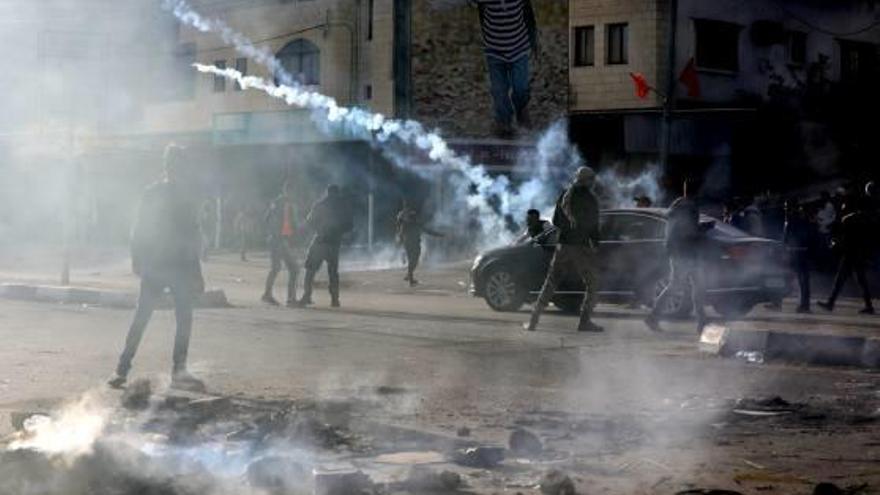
(678, 305)
(502, 292)
(733, 307)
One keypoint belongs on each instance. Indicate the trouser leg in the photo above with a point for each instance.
(332, 259)
(803, 276)
(183, 314)
(275, 267)
(587, 270)
(292, 271)
(843, 272)
(520, 91)
(698, 289)
(666, 293)
(499, 87)
(313, 263)
(554, 274)
(413, 253)
(859, 267)
(147, 298)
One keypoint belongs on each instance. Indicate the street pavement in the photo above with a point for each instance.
(632, 411)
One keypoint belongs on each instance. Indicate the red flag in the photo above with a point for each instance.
(691, 79)
(642, 86)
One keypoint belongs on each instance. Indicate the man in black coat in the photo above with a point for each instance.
(330, 219)
(684, 243)
(854, 240)
(165, 248)
(577, 218)
(797, 236)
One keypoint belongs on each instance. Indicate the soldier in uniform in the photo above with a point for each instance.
(577, 218)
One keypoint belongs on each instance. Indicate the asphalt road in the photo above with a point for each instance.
(454, 363)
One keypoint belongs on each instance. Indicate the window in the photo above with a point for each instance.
(584, 42)
(368, 92)
(717, 45)
(219, 81)
(240, 66)
(858, 62)
(301, 59)
(797, 48)
(617, 44)
(369, 20)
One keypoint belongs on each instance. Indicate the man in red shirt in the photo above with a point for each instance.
(281, 222)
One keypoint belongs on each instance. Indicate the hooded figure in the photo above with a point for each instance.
(577, 218)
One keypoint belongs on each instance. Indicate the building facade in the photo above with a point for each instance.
(752, 82)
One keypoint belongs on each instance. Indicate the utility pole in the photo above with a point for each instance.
(669, 104)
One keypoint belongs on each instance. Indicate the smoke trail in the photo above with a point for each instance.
(492, 199)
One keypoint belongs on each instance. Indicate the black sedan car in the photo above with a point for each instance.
(740, 270)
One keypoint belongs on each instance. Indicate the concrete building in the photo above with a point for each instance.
(760, 66)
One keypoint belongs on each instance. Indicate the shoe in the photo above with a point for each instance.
(305, 302)
(292, 303)
(183, 380)
(528, 327)
(268, 299)
(652, 324)
(589, 326)
(413, 282)
(803, 310)
(504, 131)
(825, 305)
(117, 381)
(867, 311)
(334, 303)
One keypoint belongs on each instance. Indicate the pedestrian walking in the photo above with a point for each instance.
(165, 247)
(684, 243)
(282, 226)
(797, 237)
(410, 227)
(330, 219)
(577, 218)
(244, 228)
(509, 35)
(853, 240)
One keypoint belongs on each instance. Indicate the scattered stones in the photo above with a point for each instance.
(276, 474)
(423, 479)
(556, 483)
(478, 457)
(342, 483)
(136, 396)
(524, 443)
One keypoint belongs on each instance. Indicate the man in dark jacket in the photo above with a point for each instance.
(797, 236)
(853, 239)
(410, 227)
(165, 245)
(330, 219)
(684, 241)
(577, 218)
(281, 224)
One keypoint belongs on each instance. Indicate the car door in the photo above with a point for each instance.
(632, 249)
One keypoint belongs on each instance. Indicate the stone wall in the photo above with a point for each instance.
(449, 76)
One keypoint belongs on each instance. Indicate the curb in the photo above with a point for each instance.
(214, 298)
(810, 348)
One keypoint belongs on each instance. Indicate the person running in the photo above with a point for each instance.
(577, 218)
(165, 249)
(410, 227)
(684, 243)
(281, 223)
(854, 241)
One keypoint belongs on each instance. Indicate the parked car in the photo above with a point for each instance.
(740, 270)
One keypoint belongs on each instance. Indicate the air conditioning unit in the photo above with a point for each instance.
(766, 33)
